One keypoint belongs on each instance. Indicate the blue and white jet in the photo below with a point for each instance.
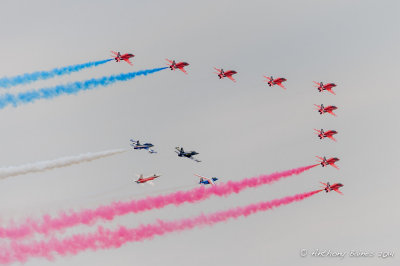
(207, 180)
(146, 146)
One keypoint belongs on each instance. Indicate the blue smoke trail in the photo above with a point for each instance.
(31, 77)
(70, 88)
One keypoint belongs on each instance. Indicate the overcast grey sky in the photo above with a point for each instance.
(240, 129)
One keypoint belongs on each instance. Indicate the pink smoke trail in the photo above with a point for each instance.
(49, 224)
(106, 239)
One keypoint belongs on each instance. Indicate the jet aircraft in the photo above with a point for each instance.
(125, 57)
(190, 154)
(138, 146)
(225, 74)
(207, 180)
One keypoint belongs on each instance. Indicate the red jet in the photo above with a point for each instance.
(335, 187)
(327, 87)
(328, 134)
(118, 57)
(173, 65)
(225, 74)
(143, 180)
(329, 109)
(331, 161)
(278, 81)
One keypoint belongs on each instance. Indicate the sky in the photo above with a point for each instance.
(240, 129)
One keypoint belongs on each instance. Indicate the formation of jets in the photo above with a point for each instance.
(271, 81)
(327, 134)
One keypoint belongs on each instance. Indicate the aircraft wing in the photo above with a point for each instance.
(334, 165)
(219, 70)
(338, 191)
(182, 69)
(324, 184)
(231, 78)
(318, 84)
(331, 91)
(280, 85)
(331, 113)
(201, 176)
(169, 61)
(211, 181)
(114, 53)
(332, 138)
(129, 62)
(320, 158)
(268, 78)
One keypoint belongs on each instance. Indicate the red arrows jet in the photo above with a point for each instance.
(278, 81)
(327, 87)
(328, 134)
(331, 161)
(329, 109)
(225, 74)
(142, 180)
(173, 65)
(335, 187)
(118, 57)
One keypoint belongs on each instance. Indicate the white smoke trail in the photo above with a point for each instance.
(61, 162)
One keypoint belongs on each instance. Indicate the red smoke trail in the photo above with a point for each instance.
(105, 238)
(48, 224)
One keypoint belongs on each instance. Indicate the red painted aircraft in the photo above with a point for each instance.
(118, 57)
(142, 180)
(278, 81)
(173, 65)
(335, 187)
(329, 109)
(326, 134)
(331, 161)
(327, 87)
(225, 74)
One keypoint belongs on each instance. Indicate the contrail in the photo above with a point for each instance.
(107, 239)
(107, 212)
(70, 88)
(8, 82)
(57, 163)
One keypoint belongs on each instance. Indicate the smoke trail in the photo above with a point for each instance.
(108, 212)
(106, 239)
(42, 75)
(57, 163)
(70, 88)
